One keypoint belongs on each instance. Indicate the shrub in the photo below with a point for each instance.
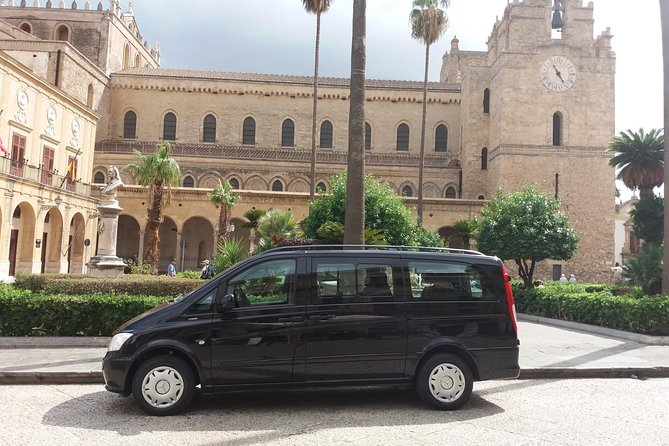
(28, 314)
(596, 305)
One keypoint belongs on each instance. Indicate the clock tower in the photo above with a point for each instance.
(538, 107)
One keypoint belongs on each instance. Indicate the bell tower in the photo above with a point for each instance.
(538, 107)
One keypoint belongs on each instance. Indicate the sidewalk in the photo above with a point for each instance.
(546, 351)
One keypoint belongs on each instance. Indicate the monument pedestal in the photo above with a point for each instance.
(106, 263)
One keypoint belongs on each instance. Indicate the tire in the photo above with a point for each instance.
(163, 385)
(444, 382)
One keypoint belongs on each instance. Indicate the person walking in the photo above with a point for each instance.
(172, 268)
(207, 270)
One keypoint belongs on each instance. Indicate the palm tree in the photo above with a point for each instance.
(354, 220)
(640, 158)
(464, 230)
(428, 24)
(316, 7)
(225, 198)
(664, 19)
(253, 215)
(275, 226)
(155, 171)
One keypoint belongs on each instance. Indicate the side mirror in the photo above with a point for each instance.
(226, 303)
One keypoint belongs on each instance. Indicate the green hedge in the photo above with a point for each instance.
(28, 314)
(133, 284)
(597, 305)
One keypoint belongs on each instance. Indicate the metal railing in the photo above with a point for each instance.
(45, 177)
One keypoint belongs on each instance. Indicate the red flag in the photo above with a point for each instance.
(69, 169)
(3, 148)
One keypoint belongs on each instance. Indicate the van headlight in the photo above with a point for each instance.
(117, 341)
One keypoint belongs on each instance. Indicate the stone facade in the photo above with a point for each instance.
(507, 119)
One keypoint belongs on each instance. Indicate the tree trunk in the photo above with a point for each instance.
(421, 161)
(354, 222)
(223, 217)
(154, 213)
(312, 186)
(664, 18)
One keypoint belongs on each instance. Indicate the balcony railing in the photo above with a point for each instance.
(51, 178)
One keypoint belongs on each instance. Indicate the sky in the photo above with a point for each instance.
(277, 37)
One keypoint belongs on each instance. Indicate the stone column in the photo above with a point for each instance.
(179, 252)
(140, 252)
(106, 263)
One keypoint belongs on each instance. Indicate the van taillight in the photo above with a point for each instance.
(509, 298)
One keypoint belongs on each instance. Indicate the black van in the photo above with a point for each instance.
(321, 315)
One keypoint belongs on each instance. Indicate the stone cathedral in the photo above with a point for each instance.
(82, 89)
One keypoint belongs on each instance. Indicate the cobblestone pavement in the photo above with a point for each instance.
(588, 412)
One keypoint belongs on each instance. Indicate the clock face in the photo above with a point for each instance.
(558, 73)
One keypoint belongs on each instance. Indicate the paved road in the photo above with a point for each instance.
(519, 413)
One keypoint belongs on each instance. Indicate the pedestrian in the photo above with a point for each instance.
(563, 279)
(617, 271)
(538, 283)
(572, 278)
(172, 268)
(207, 270)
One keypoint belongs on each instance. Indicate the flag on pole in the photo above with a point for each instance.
(70, 170)
(3, 148)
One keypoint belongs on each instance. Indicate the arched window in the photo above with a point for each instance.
(481, 197)
(368, 136)
(321, 188)
(90, 96)
(277, 186)
(26, 28)
(326, 135)
(450, 192)
(402, 137)
(130, 125)
(407, 191)
(441, 138)
(126, 56)
(188, 181)
(138, 61)
(484, 159)
(63, 33)
(99, 177)
(170, 127)
(234, 183)
(557, 129)
(209, 129)
(249, 132)
(486, 100)
(288, 133)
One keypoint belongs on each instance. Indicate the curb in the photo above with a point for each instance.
(54, 342)
(54, 378)
(597, 330)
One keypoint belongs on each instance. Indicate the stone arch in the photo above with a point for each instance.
(75, 244)
(26, 27)
(256, 182)
(431, 190)
(287, 132)
(440, 133)
(450, 191)
(234, 181)
(198, 235)
(127, 240)
(298, 185)
(403, 136)
(560, 114)
(22, 239)
(322, 185)
(90, 96)
(138, 61)
(188, 181)
(209, 180)
(99, 175)
(126, 55)
(278, 184)
(408, 189)
(52, 241)
(62, 32)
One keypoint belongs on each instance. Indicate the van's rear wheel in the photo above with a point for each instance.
(163, 385)
(445, 382)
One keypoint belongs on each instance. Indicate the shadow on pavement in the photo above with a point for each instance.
(267, 415)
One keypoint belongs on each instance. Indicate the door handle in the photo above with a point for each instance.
(321, 317)
(291, 319)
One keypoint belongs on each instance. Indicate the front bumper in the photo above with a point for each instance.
(115, 370)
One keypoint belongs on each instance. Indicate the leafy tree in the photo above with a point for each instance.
(333, 232)
(648, 219)
(156, 171)
(428, 23)
(425, 237)
(354, 221)
(225, 197)
(464, 230)
(384, 210)
(640, 158)
(315, 7)
(275, 226)
(526, 227)
(645, 269)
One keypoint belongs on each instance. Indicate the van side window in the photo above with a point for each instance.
(204, 305)
(271, 282)
(348, 282)
(443, 281)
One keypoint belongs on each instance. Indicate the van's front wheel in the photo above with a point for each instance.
(445, 382)
(163, 385)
